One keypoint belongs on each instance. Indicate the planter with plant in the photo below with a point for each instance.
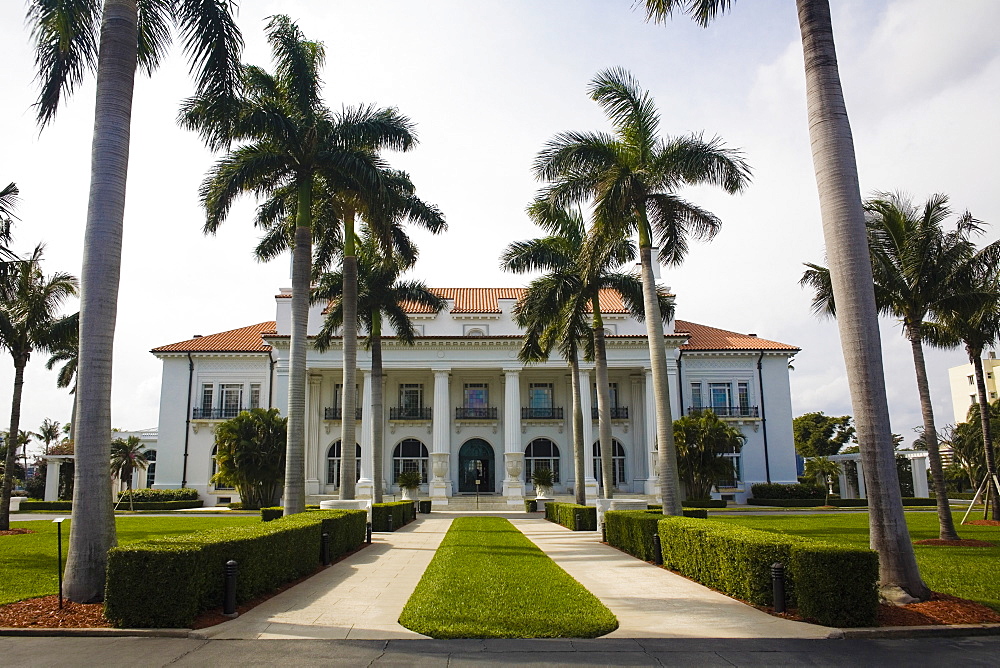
(543, 479)
(409, 482)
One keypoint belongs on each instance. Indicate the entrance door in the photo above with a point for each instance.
(476, 462)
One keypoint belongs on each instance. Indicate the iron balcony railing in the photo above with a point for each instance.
(551, 413)
(476, 413)
(337, 413)
(617, 412)
(409, 413)
(726, 411)
(216, 413)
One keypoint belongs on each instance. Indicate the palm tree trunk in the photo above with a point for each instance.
(378, 412)
(92, 531)
(984, 416)
(946, 523)
(72, 422)
(20, 361)
(295, 447)
(603, 402)
(857, 319)
(348, 467)
(580, 488)
(666, 457)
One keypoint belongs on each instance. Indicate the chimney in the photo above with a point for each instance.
(196, 336)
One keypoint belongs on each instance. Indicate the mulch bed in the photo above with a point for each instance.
(16, 532)
(984, 523)
(964, 542)
(44, 613)
(941, 609)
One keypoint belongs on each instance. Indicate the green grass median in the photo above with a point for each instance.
(487, 580)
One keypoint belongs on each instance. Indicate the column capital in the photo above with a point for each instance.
(511, 372)
(315, 379)
(440, 372)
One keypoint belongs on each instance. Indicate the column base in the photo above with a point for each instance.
(365, 488)
(439, 491)
(591, 489)
(312, 487)
(651, 487)
(513, 490)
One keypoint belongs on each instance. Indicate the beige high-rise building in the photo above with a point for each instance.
(963, 384)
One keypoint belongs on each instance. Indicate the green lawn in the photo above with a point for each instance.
(487, 580)
(28, 561)
(969, 572)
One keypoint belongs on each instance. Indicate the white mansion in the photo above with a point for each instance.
(460, 407)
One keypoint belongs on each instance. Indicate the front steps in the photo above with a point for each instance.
(487, 502)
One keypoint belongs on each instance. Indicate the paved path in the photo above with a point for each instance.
(360, 597)
(651, 602)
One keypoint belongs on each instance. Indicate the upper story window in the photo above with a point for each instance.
(743, 395)
(720, 395)
(540, 395)
(971, 381)
(475, 331)
(696, 400)
(231, 399)
(476, 395)
(612, 391)
(411, 397)
(255, 395)
(207, 398)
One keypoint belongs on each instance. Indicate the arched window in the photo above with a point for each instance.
(333, 463)
(475, 331)
(541, 453)
(151, 467)
(409, 455)
(617, 462)
(215, 469)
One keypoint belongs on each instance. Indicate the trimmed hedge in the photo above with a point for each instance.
(166, 582)
(565, 514)
(834, 585)
(705, 503)
(632, 531)
(153, 495)
(275, 512)
(839, 503)
(124, 505)
(689, 511)
(767, 490)
(530, 506)
(31, 504)
(403, 512)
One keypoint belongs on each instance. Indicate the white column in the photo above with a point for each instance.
(845, 485)
(365, 488)
(314, 413)
(862, 494)
(649, 432)
(513, 452)
(52, 479)
(439, 487)
(586, 406)
(918, 465)
(637, 461)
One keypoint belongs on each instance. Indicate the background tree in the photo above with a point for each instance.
(250, 453)
(702, 441)
(8, 203)
(632, 177)
(29, 322)
(820, 435)
(127, 457)
(67, 353)
(113, 39)
(843, 220)
(823, 469)
(968, 448)
(49, 432)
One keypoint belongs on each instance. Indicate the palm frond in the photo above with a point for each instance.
(702, 11)
(154, 32)
(818, 278)
(66, 38)
(630, 108)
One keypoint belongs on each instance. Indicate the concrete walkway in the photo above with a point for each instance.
(651, 602)
(358, 598)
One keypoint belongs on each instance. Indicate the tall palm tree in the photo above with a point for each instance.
(289, 140)
(114, 39)
(595, 262)
(127, 457)
(49, 433)
(844, 231)
(8, 202)
(918, 269)
(29, 322)
(381, 295)
(632, 176)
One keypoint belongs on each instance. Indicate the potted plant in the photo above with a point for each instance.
(542, 478)
(409, 482)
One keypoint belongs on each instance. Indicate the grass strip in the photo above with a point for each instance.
(487, 580)
(968, 572)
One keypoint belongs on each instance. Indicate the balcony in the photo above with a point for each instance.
(550, 413)
(337, 413)
(409, 413)
(727, 411)
(476, 413)
(216, 413)
(617, 412)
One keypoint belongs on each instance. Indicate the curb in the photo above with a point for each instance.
(93, 632)
(931, 631)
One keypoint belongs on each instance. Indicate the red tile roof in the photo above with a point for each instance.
(486, 300)
(703, 337)
(243, 340)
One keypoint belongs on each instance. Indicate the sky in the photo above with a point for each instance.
(487, 83)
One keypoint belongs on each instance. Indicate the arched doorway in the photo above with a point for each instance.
(476, 461)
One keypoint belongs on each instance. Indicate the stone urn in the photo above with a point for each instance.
(439, 467)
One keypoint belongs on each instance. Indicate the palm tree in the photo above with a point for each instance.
(703, 440)
(68, 354)
(127, 456)
(844, 231)
(381, 294)
(919, 269)
(114, 39)
(822, 469)
(595, 261)
(28, 322)
(250, 452)
(8, 202)
(289, 141)
(632, 176)
(49, 433)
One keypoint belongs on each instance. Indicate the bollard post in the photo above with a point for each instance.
(368, 530)
(778, 584)
(657, 550)
(229, 595)
(578, 516)
(604, 532)
(324, 551)
(390, 528)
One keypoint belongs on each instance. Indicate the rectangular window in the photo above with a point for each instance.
(476, 395)
(743, 388)
(255, 395)
(206, 399)
(612, 391)
(540, 395)
(971, 381)
(989, 374)
(719, 395)
(696, 401)
(231, 399)
(411, 399)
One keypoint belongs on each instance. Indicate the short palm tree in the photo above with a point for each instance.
(919, 269)
(381, 295)
(632, 176)
(114, 39)
(289, 140)
(844, 230)
(29, 322)
(703, 440)
(250, 453)
(127, 457)
(822, 469)
(49, 433)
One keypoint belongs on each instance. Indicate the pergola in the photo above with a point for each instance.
(918, 465)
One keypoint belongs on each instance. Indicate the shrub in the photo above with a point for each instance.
(530, 506)
(31, 504)
(566, 513)
(424, 506)
(402, 512)
(705, 503)
(766, 490)
(152, 495)
(839, 503)
(160, 505)
(824, 594)
(696, 513)
(166, 582)
(271, 513)
(632, 531)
